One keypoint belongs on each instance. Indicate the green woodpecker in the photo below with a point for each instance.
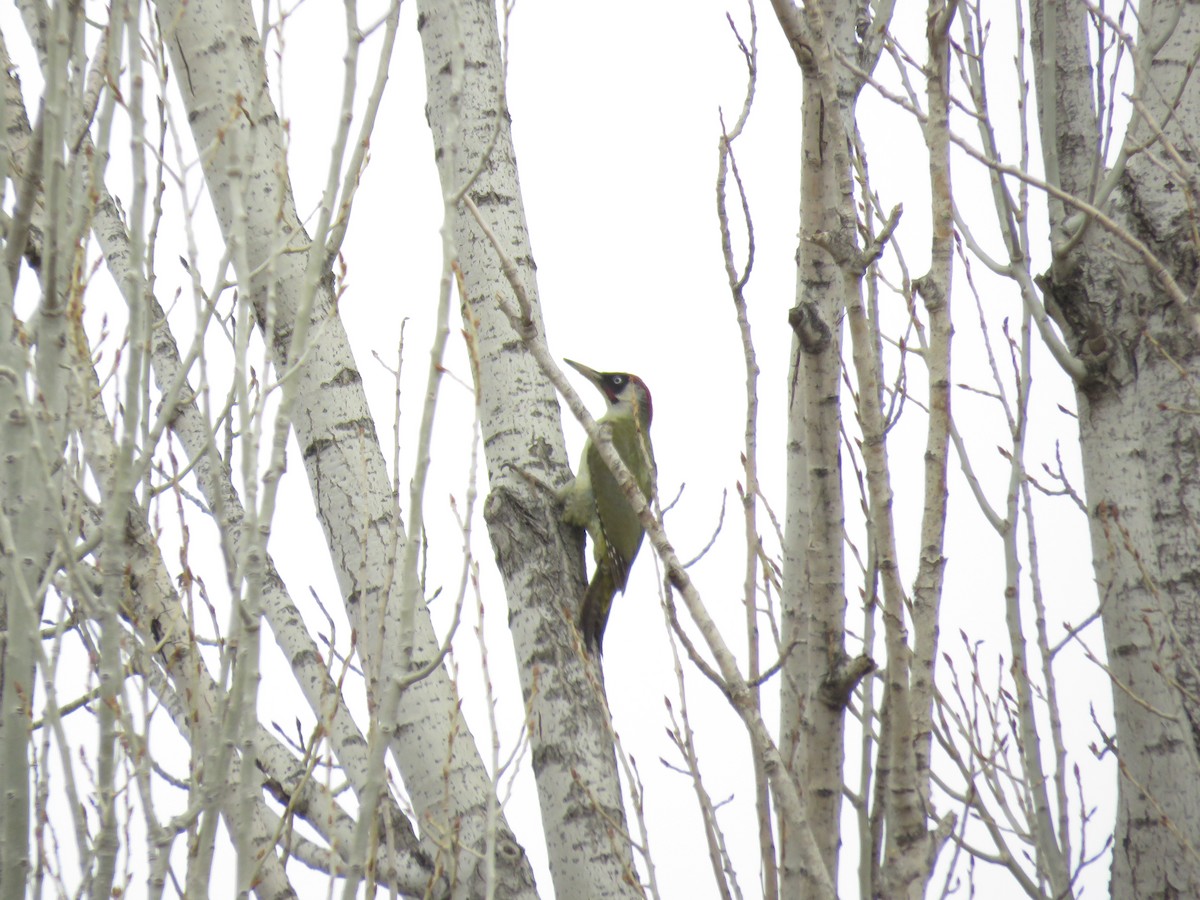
(596, 502)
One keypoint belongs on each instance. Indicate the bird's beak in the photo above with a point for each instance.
(590, 374)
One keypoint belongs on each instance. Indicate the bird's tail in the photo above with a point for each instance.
(593, 614)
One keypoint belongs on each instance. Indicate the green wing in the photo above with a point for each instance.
(622, 530)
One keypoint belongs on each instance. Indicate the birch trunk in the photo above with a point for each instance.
(540, 558)
(216, 52)
(33, 504)
(1123, 295)
(814, 592)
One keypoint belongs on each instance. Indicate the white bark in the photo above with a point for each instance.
(157, 615)
(539, 557)
(934, 288)
(814, 598)
(33, 422)
(1125, 267)
(1135, 414)
(22, 565)
(216, 52)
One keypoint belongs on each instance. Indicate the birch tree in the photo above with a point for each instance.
(1121, 286)
(1112, 307)
(147, 438)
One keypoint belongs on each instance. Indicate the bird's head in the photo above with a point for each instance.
(624, 392)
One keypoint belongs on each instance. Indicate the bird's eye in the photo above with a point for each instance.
(618, 380)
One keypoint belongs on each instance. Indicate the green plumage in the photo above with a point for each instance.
(596, 502)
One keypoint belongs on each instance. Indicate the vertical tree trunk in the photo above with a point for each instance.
(1120, 294)
(539, 557)
(216, 52)
(34, 428)
(824, 36)
(814, 599)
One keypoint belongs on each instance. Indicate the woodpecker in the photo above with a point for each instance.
(595, 501)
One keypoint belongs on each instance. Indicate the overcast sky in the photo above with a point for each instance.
(615, 112)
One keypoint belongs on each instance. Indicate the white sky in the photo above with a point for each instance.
(615, 120)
